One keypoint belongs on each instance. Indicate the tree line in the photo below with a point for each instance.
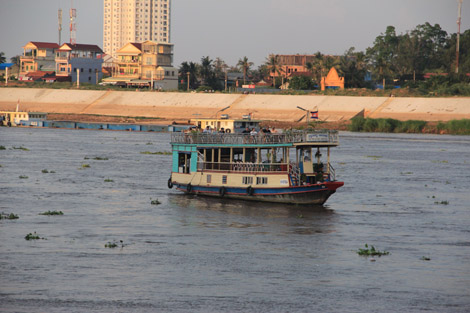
(393, 59)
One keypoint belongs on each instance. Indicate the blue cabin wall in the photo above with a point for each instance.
(193, 162)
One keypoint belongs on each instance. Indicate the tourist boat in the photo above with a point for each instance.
(284, 168)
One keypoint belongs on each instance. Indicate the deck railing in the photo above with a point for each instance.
(242, 167)
(311, 136)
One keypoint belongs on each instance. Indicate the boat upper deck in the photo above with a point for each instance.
(326, 138)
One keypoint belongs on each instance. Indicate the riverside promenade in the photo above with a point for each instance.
(183, 106)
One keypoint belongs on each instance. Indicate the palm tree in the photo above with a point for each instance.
(206, 69)
(245, 65)
(219, 67)
(2, 58)
(16, 60)
(272, 63)
(190, 68)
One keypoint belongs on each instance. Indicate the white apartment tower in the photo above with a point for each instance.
(135, 21)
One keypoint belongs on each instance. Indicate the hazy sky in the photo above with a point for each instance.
(233, 29)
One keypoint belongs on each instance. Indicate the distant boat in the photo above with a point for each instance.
(256, 167)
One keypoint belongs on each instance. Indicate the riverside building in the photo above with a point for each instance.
(135, 21)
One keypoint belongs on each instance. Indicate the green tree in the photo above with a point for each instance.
(208, 74)
(17, 61)
(383, 54)
(190, 68)
(301, 83)
(206, 69)
(2, 58)
(262, 72)
(219, 68)
(431, 41)
(353, 67)
(272, 63)
(244, 65)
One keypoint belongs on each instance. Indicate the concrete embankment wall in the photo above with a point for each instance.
(183, 106)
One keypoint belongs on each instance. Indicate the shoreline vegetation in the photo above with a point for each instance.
(389, 125)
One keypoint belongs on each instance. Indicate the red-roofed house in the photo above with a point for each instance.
(37, 56)
(79, 60)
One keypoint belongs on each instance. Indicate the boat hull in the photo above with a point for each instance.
(308, 194)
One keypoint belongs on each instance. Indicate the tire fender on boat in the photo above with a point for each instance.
(249, 191)
(228, 131)
(222, 191)
(170, 183)
(189, 187)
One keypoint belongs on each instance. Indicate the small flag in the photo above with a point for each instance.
(314, 114)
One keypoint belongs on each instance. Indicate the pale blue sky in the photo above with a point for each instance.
(233, 29)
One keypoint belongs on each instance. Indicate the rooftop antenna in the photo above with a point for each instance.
(73, 26)
(60, 26)
(457, 52)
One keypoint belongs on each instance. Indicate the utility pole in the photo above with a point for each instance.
(60, 26)
(457, 52)
(73, 26)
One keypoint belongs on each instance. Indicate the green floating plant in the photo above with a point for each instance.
(33, 236)
(6, 216)
(157, 152)
(49, 213)
(114, 244)
(371, 251)
(155, 202)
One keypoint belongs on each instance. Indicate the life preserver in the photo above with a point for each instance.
(228, 131)
(189, 187)
(249, 191)
(170, 183)
(222, 191)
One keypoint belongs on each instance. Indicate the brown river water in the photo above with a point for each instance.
(406, 194)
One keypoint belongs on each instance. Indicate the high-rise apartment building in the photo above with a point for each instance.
(135, 21)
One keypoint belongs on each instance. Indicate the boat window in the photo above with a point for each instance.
(250, 155)
(261, 180)
(237, 155)
(184, 163)
(224, 179)
(246, 180)
(209, 179)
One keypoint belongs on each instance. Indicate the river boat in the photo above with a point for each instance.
(284, 167)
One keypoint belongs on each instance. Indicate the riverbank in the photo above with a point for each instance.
(180, 107)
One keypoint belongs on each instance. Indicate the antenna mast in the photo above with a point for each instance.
(60, 26)
(457, 52)
(73, 26)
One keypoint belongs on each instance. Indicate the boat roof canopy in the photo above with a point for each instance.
(313, 138)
